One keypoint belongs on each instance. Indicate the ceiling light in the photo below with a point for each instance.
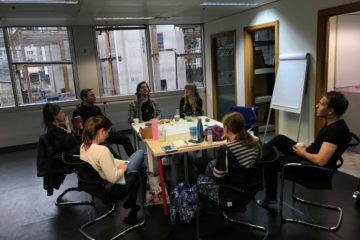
(123, 18)
(228, 4)
(40, 1)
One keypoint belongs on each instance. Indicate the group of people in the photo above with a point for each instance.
(93, 143)
(235, 160)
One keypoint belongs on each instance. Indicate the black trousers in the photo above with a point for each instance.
(118, 138)
(284, 146)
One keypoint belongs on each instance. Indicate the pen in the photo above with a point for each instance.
(186, 142)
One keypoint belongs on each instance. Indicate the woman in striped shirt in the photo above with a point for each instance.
(235, 160)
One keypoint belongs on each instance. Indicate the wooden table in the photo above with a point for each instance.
(174, 131)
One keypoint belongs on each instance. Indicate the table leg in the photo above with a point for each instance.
(162, 185)
(186, 168)
(150, 160)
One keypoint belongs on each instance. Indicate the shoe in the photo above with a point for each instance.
(165, 161)
(265, 202)
(132, 218)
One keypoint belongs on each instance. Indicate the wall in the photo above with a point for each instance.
(297, 33)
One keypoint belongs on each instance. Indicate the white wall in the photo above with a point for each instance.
(297, 33)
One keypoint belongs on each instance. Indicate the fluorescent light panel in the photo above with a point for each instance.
(123, 18)
(228, 4)
(40, 1)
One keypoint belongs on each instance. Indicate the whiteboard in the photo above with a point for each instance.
(290, 82)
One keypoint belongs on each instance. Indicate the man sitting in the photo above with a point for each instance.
(88, 109)
(329, 145)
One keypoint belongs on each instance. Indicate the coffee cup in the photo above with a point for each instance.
(300, 144)
(136, 121)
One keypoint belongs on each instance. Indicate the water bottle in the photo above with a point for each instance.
(209, 135)
(162, 133)
(154, 129)
(200, 131)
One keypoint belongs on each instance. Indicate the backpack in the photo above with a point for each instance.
(183, 203)
(217, 132)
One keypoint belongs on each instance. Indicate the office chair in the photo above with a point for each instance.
(54, 174)
(90, 182)
(241, 195)
(250, 115)
(313, 177)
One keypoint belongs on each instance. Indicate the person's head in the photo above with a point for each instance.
(96, 128)
(87, 96)
(191, 90)
(142, 89)
(332, 103)
(234, 127)
(52, 113)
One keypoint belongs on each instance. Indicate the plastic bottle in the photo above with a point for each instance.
(154, 129)
(200, 131)
(209, 137)
(162, 133)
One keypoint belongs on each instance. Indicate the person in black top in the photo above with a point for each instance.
(58, 130)
(329, 145)
(143, 107)
(191, 103)
(88, 109)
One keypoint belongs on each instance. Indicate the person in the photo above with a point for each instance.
(329, 144)
(191, 102)
(88, 109)
(96, 130)
(143, 107)
(235, 160)
(58, 130)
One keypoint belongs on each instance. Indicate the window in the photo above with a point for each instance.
(123, 59)
(6, 91)
(175, 51)
(42, 65)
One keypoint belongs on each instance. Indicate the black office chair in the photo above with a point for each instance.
(240, 196)
(250, 115)
(313, 177)
(54, 173)
(91, 183)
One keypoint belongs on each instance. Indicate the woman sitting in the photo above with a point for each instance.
(191, 103)
(96, 130)
(235, 160)
(58, 130)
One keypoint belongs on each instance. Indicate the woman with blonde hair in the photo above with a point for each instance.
(191, 103)
(113, 170)
(235, 160)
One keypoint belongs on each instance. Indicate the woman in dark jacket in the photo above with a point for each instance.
(191, 103)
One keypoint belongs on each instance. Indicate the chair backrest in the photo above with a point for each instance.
(250, 115)
(355, 141)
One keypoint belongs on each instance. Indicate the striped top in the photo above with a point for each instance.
(234, 161)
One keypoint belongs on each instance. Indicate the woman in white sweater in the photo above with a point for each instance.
(113, 170)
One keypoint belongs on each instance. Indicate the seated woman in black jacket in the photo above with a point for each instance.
(191, 103)
(58, 130)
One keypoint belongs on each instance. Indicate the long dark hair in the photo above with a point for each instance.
(92, 126)
(235, 123)
(138, 95)
(50, 111)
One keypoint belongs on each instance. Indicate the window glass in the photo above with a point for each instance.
(6, 92)
(41, 61)
(123, 58)
(176, 52)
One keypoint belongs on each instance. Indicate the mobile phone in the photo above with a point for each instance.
(192, 141)
(168, 148)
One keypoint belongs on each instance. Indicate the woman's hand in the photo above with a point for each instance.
(122, 166)
(67, 124)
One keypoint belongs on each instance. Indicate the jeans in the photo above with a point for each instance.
(132, 180)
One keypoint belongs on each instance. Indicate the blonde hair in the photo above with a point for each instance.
(193, 97)
(235, 123)
(91, 128)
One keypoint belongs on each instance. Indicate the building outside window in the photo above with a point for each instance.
(41, 62)
(123, 57)
(175, 53)
(6, 92)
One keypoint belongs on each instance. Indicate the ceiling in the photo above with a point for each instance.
(86, 12)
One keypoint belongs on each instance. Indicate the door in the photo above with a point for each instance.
(223, 66)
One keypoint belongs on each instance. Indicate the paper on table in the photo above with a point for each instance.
(183, 143)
